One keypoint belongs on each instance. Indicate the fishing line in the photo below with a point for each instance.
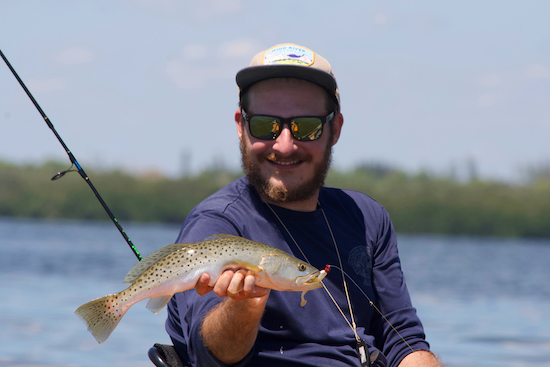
(351, 324)
(371, 303)
(361, 347)
(73, 160)
(354, 328)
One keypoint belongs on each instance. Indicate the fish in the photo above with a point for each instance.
(177, 268)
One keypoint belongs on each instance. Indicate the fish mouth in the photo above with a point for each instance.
(312, 280)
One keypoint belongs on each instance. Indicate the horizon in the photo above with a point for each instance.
(150, 86)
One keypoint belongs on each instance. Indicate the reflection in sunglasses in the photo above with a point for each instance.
(303, 128)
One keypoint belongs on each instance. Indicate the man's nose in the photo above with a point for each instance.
(285, 143)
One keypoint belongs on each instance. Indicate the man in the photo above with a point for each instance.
(289, 119)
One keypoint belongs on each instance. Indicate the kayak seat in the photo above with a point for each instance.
(163, 355)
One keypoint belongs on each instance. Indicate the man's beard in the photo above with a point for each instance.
(282, 194)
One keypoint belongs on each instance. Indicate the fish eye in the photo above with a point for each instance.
(301, 267)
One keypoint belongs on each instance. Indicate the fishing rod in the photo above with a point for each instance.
(73, 160)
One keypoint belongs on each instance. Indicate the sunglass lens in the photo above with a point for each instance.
(264, 127)
(307, 128)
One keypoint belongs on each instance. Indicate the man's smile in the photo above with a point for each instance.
(290, 161)
(285, 163)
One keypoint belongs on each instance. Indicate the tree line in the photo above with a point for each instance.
(417, 203)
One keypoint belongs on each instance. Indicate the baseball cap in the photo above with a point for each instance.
(289, 61)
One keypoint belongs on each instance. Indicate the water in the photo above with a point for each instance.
(483, 301)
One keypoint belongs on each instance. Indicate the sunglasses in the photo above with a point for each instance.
(303, 128)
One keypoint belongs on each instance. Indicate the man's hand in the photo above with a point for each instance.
(235, 284)
(230, 329)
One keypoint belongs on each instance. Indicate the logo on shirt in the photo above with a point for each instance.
(360, 260)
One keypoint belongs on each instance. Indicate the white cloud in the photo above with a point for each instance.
(487, 100)
(187, 76)
(380, 19)
(75, 55)
(226, 6)
(189, 71)
(201, 10)
(183, 75)
(538, 71)
(238, 48)
(493, 80)
(38, 86)
(194, 51)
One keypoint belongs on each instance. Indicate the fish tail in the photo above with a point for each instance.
(102, 315)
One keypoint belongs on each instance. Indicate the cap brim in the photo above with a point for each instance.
(253, 74)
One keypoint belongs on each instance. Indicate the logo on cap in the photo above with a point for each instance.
(289, 55)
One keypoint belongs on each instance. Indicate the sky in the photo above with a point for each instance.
(148, 86)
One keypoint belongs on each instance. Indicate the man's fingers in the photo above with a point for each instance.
(249, 284)
(220, 288)
(235, 284)
(202, 286)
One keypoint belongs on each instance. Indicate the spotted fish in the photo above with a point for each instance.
(176, 268)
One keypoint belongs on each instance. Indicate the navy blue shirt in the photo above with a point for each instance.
(316, 334)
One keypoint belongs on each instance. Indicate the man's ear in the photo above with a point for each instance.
(239, 123)
(337, 125)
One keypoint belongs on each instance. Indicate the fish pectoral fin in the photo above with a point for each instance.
(249, 266)
(155, 305)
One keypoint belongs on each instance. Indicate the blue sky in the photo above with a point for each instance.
(149, 85)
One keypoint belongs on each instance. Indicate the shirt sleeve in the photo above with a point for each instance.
(187, 309)
(393, 300)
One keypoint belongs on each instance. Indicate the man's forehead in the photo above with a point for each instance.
(296, 97)
(286, 85)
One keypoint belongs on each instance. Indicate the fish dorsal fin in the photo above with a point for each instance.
(147, 262)
(221, 236)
